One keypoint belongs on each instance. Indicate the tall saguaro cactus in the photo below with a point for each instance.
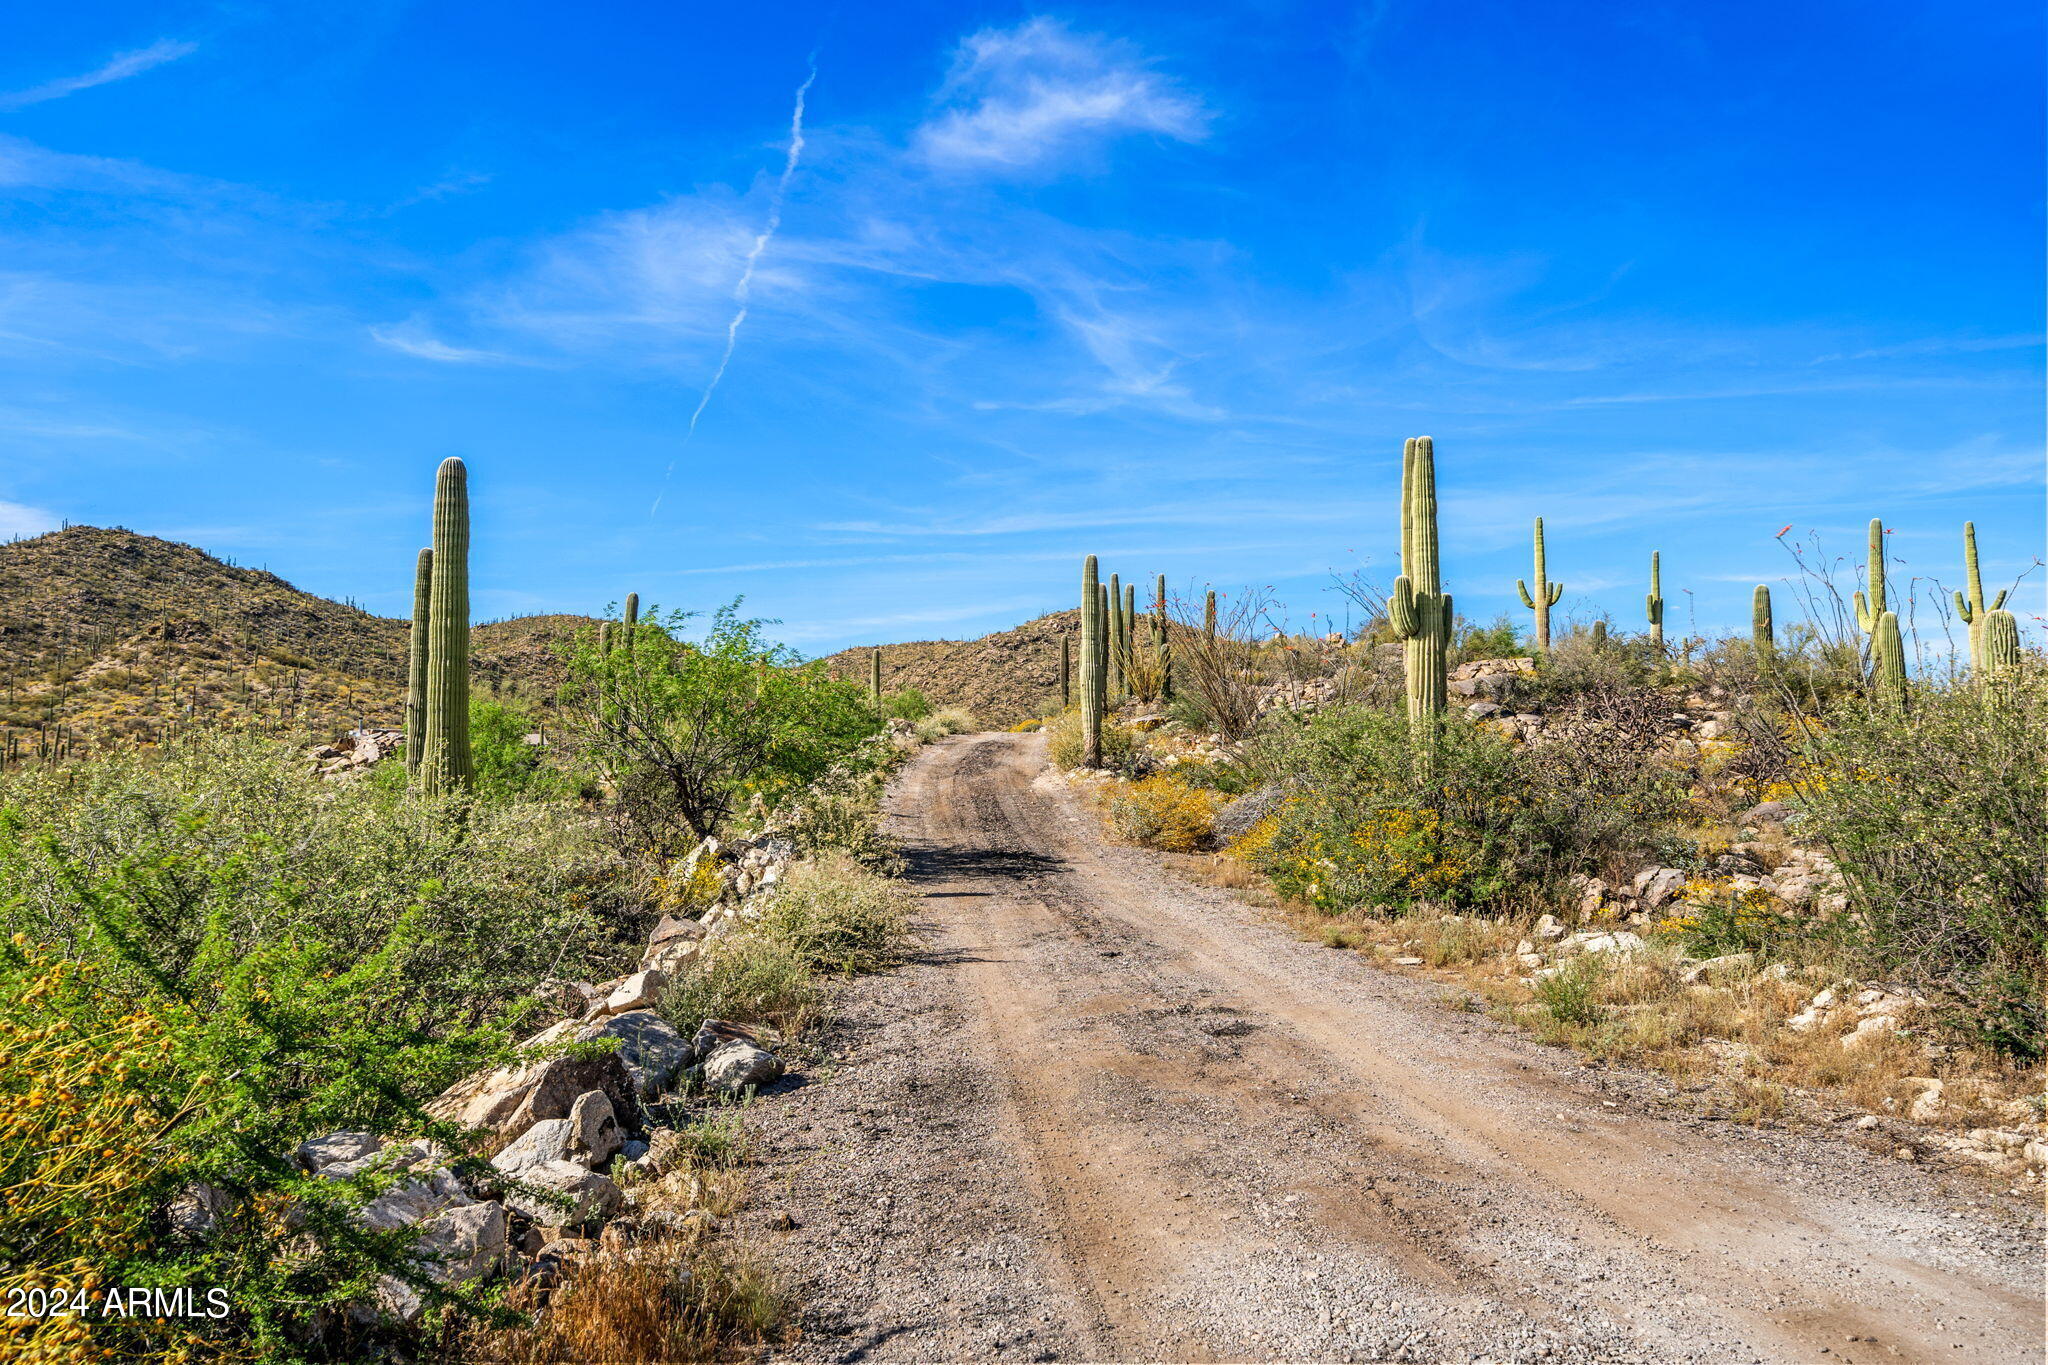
(1419, 611)
(1129, 642)
(1209, 616)
(1973, 609)
(631, 620)
(1762, 631)
(1870, 609)
(1545, 596)
(445, 763)
(416, 661)
(875, 675)
(1113, 626)
(1997, 644)
(1066, 670)
(1888, 660)
(1091, 664)
(1655, 601)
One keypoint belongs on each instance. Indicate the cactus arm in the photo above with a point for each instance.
(1401, 608)
(1864, 620)
(1963, 609)
(1998, 602)
(1523, 589)
(1556, 591)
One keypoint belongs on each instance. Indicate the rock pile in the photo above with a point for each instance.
(356, 751)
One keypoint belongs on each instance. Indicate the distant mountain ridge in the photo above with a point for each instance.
(1004, 677)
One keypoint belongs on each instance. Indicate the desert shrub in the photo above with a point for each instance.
(507, 767)
(1938, 818)
(1477, 820)
(949, 720)
(1714, 920)
(841, 811)
(1122, 749)
(1217, 775)
(836, 916)
(1574, 666)
(1571, 993)
(905, 704)
(747, 977)
(1163, 812)
(1499, 640)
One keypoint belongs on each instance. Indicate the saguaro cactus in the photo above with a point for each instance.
(1546, 594)
(1888, 660)
(1066, 670)
(416, 661)
(1869, 609)
(1655, 601)
(1997, 643)
(1091, 665)
(1973, 609)
(875, 675)
(1209, 616)
(1113, 625)
(1600, 634)
(631, 620)
(445, 756)
(1129, 642)
(1419, 611)
(1102, 643)
(1762, 633)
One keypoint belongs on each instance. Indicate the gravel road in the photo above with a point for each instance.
(1110, 1116)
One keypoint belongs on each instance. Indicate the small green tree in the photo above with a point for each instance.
(686, 733)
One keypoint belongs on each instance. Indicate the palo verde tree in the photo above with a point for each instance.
(684, 733)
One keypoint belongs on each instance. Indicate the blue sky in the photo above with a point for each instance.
(1166, 283)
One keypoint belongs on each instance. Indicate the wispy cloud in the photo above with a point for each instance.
(1023, 96)
(19, 519)
(412, 340)
(119, 67)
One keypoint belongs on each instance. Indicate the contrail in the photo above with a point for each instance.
(745, 286)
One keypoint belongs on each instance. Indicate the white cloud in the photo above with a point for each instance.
(1021, 96)
(17, 519)
(413, 340)
(119, 67)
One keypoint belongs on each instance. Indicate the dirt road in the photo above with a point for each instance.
(1109, 1116)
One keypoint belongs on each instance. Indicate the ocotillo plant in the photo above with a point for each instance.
(1545, 596)
(1091, 665)
(445, 758)
(1888, 660)
(1762, 633)
(1869, 609)
(1162, 642)
(1973, 608)
(1997, 643)
(1655, 602)
(416, 661)
(1114, 626)
(875, 675)
(1419, 611)
(1066, 671)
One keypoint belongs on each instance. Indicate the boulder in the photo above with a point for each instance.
(458, 1246)
(673, 957)
(1482, 710)
(1767, 813)
(1615, 943)
(1654, 886)
(593, 1197)
(317, 1153)
(1729, 964)
(546, 1141)
(1873, 1029)
(512, 1099)
(734, 1067)
(639, 991)
(1549, 928)
(651, 1053)
(197, 1210)
(715, 1033)
(593, 1129)
(1235, 820)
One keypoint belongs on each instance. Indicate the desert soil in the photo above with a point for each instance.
(1107, 1115)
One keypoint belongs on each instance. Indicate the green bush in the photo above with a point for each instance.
(951, 720)
(261, 957)
(507, 767)
(1481, 821)
(748, 978)
(906, 704)
(1571, 993)
(1122, 750)
(837, 917)
(1938, 818)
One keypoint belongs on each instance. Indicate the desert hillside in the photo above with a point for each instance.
(1003, 678)
(107, 635)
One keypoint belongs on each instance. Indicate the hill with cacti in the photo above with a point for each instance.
(1003, 677)
(107, 635)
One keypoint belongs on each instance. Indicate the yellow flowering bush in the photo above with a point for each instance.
(1163, 812)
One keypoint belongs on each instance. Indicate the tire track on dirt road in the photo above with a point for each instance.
(1111, 1116)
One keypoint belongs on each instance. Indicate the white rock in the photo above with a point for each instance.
(1727, 964)
(319, 1152)
(1928, 1106)
(1549, 928)
(546, 1141)
(458, 1246)
(639, 991)
(1656, 885)
(593, 1129)
(732, 1067)
(593, 1197)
